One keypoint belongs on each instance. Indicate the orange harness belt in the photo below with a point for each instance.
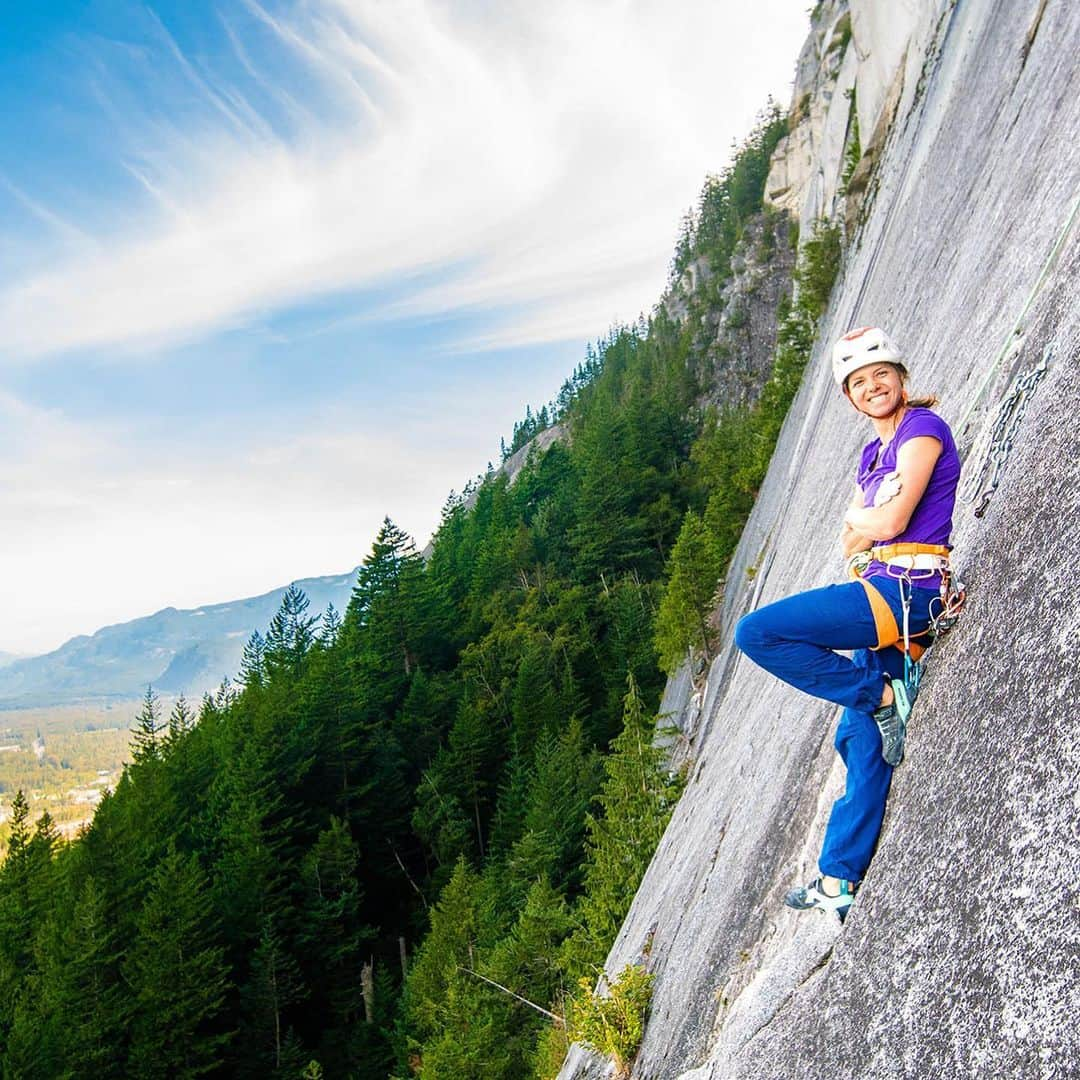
(888, 632)
(892, 551)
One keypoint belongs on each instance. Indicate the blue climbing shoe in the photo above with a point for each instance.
(814, 896)
(892, 720)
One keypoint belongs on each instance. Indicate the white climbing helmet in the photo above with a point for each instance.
(857, 348)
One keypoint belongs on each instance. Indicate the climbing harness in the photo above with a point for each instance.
(993, 458)
(908, 563)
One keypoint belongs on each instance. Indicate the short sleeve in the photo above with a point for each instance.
(923, 422)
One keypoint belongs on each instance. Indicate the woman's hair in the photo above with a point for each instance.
(928, 402)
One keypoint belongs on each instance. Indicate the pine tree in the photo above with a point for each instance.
(177, 974)
(450, 943)
(564, 781)
(683, 620)
(181, 721)
(290, 635)
(26, 887)
(147, 727)
(330, 626)
(253, 661)
(525, 959)
(83, 997)
(636, 800)
(388, 620)
(274, 985)
(331, 929)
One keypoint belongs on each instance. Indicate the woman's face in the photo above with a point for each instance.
(876, 390)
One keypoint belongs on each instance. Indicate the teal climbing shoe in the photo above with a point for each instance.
(892, 720)
(814, 896)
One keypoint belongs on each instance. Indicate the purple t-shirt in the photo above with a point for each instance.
(931, 522)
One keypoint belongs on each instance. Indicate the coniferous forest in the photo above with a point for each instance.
(402, 819)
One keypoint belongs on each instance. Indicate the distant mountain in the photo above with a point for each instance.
(175, 651)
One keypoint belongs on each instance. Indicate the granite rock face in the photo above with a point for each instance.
(959, 957)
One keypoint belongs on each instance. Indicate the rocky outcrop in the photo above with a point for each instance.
(958, 959)
(741, 326)
(805, 177)
(737, 320)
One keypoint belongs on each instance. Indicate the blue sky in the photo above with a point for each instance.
(271, 271)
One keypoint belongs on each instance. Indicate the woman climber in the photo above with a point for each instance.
(895, 537)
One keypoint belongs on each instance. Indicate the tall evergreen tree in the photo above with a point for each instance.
(177, 974)
(290, 635)
(635, 802)
(690, 596)
(273, 986)
(146, 729)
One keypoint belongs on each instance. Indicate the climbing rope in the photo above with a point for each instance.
(994, 457)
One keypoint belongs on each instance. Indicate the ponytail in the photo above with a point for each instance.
(928, 402)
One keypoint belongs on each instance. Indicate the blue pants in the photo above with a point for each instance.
(795, 639)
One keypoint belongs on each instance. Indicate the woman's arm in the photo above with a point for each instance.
(852, 541)
(915, 462)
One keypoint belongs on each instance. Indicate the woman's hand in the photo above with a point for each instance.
(852, 541)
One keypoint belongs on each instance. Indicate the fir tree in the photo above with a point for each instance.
(177, 974)
(290, 635)
(147, 727)
(683, 619)
(181, 721)
(635, 802)
(253, 661)
(83, 997)
(273, 986)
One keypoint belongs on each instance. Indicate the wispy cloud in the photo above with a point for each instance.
(544, 152)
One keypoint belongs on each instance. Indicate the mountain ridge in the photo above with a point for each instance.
(164, 649)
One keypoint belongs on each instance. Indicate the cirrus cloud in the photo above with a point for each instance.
(533, 155)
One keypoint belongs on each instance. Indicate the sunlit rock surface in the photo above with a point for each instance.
(959, 958)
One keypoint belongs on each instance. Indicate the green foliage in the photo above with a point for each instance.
(733, 455)
(274, 985)
(177, 975)
(819, 265)
(635, 803)
(613, 1024)
(146, 729)
(729, 200)
(690, 596)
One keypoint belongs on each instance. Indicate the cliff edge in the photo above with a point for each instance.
(959, 957)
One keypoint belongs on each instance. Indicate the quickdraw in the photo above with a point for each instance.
(912, 669)
(951, 599)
